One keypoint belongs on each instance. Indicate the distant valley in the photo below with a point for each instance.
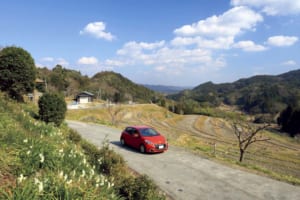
(164, 89)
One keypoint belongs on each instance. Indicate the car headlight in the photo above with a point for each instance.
(148, 142)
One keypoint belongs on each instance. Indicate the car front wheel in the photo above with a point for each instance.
(142, 149)
(122, 142)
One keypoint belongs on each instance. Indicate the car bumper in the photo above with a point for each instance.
(156, 148)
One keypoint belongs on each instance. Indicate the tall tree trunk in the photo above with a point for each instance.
(241, 154)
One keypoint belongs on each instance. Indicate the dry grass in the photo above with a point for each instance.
(211, 137)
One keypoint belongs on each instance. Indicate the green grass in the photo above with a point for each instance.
(41, 161)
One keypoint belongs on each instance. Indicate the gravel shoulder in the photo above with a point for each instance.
(183, 175)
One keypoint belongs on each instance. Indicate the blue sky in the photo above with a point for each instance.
(181, 43)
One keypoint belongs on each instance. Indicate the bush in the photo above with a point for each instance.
(105, 159)
(52, 108)
(141, 187)
(74, 136)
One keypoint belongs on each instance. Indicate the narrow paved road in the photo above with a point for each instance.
(183, 175)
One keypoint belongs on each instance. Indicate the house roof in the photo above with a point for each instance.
(85, 93)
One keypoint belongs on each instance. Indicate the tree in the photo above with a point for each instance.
(58, 78)
(17, 72)
(247, 134)
(289, 120)
(52, 108)
(113, 112)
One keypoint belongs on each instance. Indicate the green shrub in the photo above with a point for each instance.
(141, 187)
(52, 108)
(104, 159)
(74, 136)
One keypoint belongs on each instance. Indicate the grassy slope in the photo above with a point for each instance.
(40, 161)
(278, 158)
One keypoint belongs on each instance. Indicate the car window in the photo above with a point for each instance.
(131, 130)
(128, 130)
(148, 132)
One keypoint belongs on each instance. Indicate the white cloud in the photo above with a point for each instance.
(97, 30)
(47, 59)
(216, 43)
(51, 62)
(160, 54)
(160, 68)
(281, 40)
(249, 46)
(229, 24)
(87, 61)
(219, 32)
(134, 47)
(62, 61)
(271, 7)
(116, 63)
(289, 63)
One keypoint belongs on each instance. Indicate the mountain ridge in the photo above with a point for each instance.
(256, 94)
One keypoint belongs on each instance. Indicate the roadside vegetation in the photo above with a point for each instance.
(212, 137)
(43, 161)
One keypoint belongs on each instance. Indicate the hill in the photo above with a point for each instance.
(257, 94)
(105, 85)
(118, 88)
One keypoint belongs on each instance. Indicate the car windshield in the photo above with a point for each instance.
(148, 132)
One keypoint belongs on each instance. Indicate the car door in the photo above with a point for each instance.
(135, 138)
(127, 136)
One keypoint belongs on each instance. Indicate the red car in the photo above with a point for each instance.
(144, 138)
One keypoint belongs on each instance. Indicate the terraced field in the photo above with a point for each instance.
(213, 138)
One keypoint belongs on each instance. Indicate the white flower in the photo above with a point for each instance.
(69, 181)
(40, 184)
(97, 185)
(42, 158)
(36, 181)
(102, 182)
(28, 152)
(21, 178)
(84, 161)
(83, 173)
(25, 141)
(41, 187)
(92, 172)
(65, 177)
(61, 174)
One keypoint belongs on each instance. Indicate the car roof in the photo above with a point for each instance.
(139, 126)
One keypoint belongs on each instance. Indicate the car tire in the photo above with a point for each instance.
(122, 141)
(142, 149)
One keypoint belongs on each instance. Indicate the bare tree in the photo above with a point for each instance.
(247, 134)
(114, 111)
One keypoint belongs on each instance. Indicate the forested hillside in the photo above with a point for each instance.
(258, 94)
(104, 85)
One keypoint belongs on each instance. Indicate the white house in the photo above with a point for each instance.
(84, 97)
